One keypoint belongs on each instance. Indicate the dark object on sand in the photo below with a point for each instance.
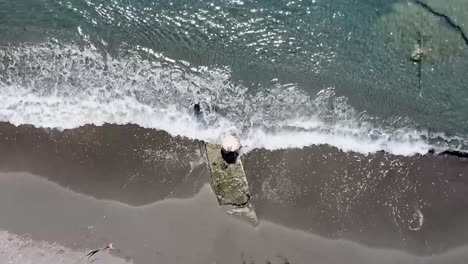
(108, 247)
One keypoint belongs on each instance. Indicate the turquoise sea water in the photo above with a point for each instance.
(279, 71)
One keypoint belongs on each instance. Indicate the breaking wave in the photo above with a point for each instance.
(68, 85)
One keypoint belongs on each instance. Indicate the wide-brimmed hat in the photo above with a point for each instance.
(231, 143)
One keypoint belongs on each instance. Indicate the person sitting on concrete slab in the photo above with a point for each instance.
(230, 148)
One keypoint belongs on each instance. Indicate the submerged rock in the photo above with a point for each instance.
(417, 54)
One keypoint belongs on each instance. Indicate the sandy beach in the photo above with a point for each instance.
(149, 194)
(352, 116)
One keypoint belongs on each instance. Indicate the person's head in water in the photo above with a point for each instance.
(230, 148)
(197, 109)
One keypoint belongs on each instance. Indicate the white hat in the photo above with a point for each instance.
(231, 143)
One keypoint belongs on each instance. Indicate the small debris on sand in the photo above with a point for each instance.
(108, 247)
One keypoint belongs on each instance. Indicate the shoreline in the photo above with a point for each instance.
(377, 200)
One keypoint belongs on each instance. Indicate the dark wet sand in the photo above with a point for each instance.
(124, 163)
(147, 192)
(417, 204)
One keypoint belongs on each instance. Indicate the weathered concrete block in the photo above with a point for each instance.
(229, 183)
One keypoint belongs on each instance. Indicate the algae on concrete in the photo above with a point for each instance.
(230, 183)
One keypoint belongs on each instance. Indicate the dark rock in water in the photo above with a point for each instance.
(455, 153)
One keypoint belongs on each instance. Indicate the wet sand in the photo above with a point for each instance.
(417, 204)
(123, 163)
(21, 249)
(148, 193)
(191, 230)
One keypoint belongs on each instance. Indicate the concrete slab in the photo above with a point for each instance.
(230, 184)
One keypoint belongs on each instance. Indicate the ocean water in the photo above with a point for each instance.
(283, 74)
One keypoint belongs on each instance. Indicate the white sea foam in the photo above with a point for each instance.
(66, 86)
